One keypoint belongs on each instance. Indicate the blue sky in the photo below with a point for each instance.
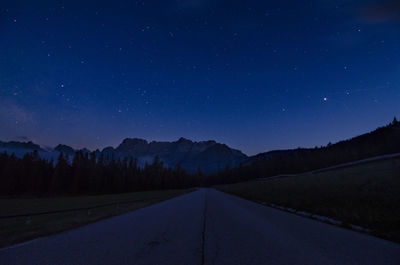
(256, 75)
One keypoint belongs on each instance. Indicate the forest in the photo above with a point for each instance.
(87, 174)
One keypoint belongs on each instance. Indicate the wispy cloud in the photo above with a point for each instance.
(382, 12)
(23, 138)
(14, 113)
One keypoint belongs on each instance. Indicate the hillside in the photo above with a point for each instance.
(384, 140)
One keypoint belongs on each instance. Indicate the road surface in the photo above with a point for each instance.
(205, 227)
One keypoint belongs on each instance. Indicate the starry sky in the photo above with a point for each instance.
(256, 75)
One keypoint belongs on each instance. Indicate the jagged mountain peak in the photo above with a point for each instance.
(187, 153)
(65, 149)
(184, 140)
(134, 141)
(20, 145)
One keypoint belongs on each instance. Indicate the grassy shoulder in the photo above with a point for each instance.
(366, 195)
(18, 229)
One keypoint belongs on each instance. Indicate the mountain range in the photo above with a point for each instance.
(209, 156)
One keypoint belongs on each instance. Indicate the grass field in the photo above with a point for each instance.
(366, 195)
(18, 229)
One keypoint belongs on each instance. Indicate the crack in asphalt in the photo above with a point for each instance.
(149, 246)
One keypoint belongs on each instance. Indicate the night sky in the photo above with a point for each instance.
(256, 75)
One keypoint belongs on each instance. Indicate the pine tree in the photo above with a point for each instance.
(61, 177)
(395, 121)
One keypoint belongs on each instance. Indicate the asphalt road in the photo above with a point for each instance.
(205, 227)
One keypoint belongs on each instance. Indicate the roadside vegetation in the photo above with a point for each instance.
(366, 195)
(35, 217)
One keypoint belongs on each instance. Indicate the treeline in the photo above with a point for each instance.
(87, 174)
(384, 140)
(91, 174)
